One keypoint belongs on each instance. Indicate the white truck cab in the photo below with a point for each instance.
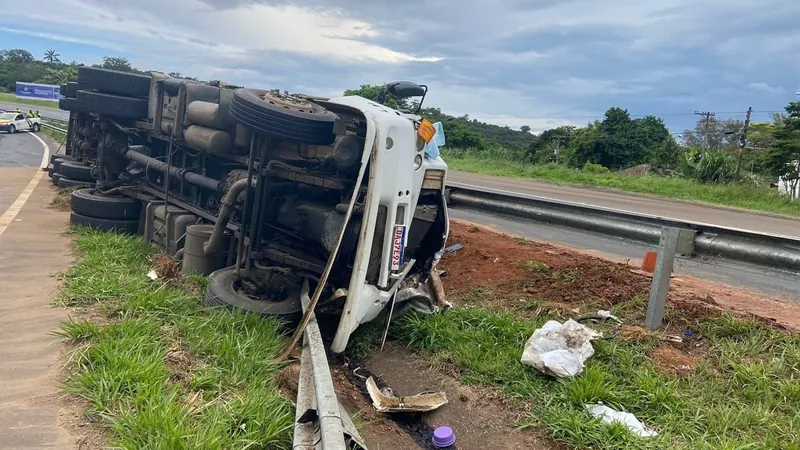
(405, 192)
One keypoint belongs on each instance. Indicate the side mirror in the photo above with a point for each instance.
(405, 89)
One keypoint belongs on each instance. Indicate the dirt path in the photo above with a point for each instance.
(32, 248)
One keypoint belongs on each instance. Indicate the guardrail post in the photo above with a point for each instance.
(667, 247)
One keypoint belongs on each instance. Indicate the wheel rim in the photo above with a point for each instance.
(290, 102)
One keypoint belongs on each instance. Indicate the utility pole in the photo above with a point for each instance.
(707, 118)
(742, 143)
(557, 150)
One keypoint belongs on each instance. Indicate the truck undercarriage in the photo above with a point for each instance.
(262, 191)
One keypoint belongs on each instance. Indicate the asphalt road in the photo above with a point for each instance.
(674, 209)
(47, 113)
(20, 150)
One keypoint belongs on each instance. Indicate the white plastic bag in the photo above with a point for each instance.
(559, 349)
(610, 415)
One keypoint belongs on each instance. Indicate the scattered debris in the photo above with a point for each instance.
(452, 249)
(670, 360)
(673, 338)
(152, 274)
(386, 402)
(559, 349)
(610, 415)
(164, 267)
(601, 315)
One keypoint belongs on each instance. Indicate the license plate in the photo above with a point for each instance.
(398, 246)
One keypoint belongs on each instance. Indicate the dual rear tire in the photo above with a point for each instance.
(105, 212)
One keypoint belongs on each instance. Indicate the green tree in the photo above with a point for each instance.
(782, 159)
(117, 63)
(714, 134)
(372, 92)
(60, 75)
(18, 56)
(51, 57)
(550, 145)
(585, 145)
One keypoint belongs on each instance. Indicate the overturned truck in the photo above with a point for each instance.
(263, 190)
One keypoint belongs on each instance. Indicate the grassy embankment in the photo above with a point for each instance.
(503, 163)
(160, 370)
(12, 98)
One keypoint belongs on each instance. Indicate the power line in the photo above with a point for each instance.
(725, 113)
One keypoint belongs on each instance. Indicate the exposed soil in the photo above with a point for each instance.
(84, 427)
(166, 268)
(509, 273)
(669, 359)
(492, 261)
(480, 418)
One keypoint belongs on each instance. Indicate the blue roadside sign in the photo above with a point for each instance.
(38, 91)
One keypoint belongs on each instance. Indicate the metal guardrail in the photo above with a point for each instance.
(54, 128)
(762, 249)
(55, 124)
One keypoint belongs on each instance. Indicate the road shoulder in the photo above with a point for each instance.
(32, 250)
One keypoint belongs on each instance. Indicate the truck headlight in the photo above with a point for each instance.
(434, 179)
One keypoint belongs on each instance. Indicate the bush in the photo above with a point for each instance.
(707, 167)
(595, 168)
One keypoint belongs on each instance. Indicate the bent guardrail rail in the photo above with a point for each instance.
(763, 249)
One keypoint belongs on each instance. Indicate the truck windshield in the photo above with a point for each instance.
(7, 116)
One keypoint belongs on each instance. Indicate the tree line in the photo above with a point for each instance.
(708, 153)
(21, 65)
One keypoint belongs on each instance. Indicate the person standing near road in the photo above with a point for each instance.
(38, 116)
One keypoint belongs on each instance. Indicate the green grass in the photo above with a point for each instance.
(12, 98)
(737, 196)
(56, 135)
(166, 372)
(745, 394)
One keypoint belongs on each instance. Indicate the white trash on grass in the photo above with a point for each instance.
(559, 349)
(610, 415)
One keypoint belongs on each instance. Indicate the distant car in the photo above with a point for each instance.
(11, 122)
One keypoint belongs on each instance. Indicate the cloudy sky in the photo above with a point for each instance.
(540, 63)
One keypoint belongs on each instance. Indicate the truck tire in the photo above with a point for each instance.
(12, 129)
(36, 127)
(87, 203)
(69, 104)
(222, 292)
(56, 177)
(58, 161)
(112, 105)
(114, 82)
(76, 171)
(64, 157)
(288, 118)
(71, 89)
(65, 183)
(122, 226)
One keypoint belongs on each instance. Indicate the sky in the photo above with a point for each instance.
(538, 63)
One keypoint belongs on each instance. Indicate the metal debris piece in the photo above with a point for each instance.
(452, 249)
(386, 402)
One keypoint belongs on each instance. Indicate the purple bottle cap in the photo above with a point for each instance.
(443, 437)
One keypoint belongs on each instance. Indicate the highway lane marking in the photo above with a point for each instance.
(46, 155)
(11, 213)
